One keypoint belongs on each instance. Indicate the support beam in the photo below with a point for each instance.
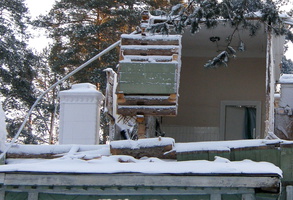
(140, 119)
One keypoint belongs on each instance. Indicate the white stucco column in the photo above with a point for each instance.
(80, 114)
(286, 100)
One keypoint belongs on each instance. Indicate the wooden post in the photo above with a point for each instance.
(289, 192)
(150, 126)
(140, 119)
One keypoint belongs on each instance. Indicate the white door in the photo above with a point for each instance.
(240, 120)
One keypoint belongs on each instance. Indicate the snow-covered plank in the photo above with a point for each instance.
(165, 50)
(147, 110)
(149, 47)
(151, 147)
(150, 41)
(154, 37)
(51, 151)
(138, 58)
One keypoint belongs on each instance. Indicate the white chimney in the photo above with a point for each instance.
(80, 114)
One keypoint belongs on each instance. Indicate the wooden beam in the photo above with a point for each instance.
(146, 41)
(150, 50)
(147, 110)
(147, 100)
(136, 190)
(136, 179)
(156, 58)
(140, 119)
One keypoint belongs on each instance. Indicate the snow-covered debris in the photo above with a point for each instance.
(222, 145)
(286, 78)
(160, 147)
(55, 150)
(143, 143)
(81, 87)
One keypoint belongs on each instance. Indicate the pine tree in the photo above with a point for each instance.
(16, 61)
(82, 29)
(287, 66)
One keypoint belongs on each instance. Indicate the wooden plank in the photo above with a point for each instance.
(148, 41)
(147, 100)
(130, 39)
(156, 151)
(25, 155)
(135, 58)
(147, 110)
(140, 129)
(150, 50)
(146, 88)
(289, 192)
(253, 181)
(46, 193)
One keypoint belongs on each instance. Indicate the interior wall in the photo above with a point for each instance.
(202, 90)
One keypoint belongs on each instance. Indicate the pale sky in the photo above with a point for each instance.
(36, 8)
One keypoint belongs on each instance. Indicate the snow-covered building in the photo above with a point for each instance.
(163, 85)
(220, 104)
(191, 102)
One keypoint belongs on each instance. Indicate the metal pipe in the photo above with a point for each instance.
(53, 86)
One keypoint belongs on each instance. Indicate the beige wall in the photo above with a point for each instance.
(202, 90)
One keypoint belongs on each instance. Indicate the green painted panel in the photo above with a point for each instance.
(267, 196)
(16, 195)
(148, 78)
(151, 77)
(122, 197)
(148, 67)
(231, 197)
(287, 163)
(144, 88)
(267, 154)
(196, 155)
(223, 154)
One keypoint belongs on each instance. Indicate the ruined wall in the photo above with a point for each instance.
(284, 111)
(202, 90)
